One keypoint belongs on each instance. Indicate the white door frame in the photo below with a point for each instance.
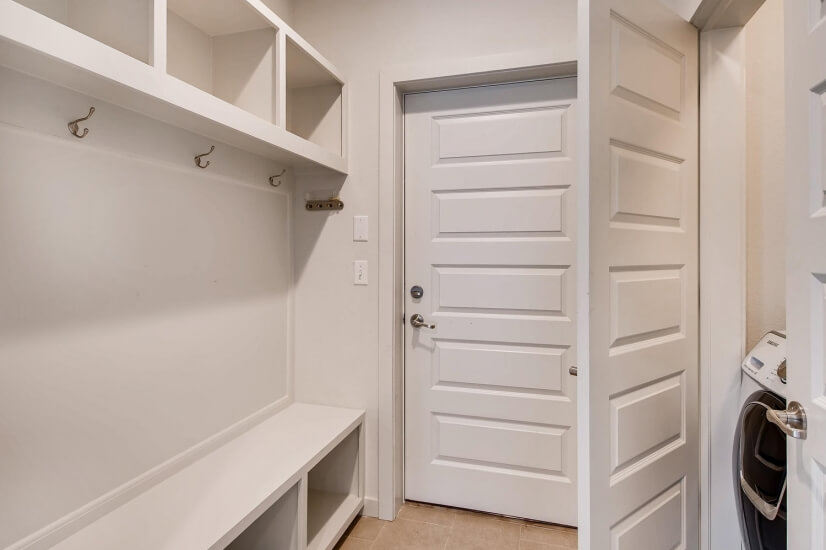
(721, 341)
(396, 81)
(722, 268)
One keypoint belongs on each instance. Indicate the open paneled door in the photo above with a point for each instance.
(805, 42)
(639, 388)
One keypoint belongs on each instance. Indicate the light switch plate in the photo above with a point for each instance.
(360, 228)
(360, 272)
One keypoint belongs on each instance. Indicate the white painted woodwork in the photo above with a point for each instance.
(640, 383)
(314, 100)
(212, 501)
(135, 331)
(218, 17)
(276, 529)
(225, 61)
(645, 420)
(533, 131)
(723, 14)
(334, 493)
(464, 56)
(524, 211)
(646, 72)
(645, 303)
(655, 525)
(723, 274)
(490, 235)
(645, 187)
(225, 49)
(304, 70)
(805, 63)
(521, 368)
(125, 25)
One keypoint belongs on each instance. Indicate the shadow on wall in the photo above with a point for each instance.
(312, 224)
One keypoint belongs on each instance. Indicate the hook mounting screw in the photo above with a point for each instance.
(74, 127)
(198, 157)
(277, 177)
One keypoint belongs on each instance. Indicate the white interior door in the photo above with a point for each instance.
(639, 384)
(805, 40)
(490, 407)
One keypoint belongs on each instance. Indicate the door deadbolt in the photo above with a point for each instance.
(416, 292)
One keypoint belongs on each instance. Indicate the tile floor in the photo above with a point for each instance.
(427, 527)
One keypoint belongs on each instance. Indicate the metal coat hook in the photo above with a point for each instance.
(198, 157)
(75, 129)
(277, 177)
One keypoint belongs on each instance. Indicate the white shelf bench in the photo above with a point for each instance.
(228, 69)
(292, 482)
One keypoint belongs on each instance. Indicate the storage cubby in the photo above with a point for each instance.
(314, 100)
(125, 25)
(275, 529)
(333, 496)
(226, 49)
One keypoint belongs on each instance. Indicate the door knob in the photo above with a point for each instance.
(417, 321)
(791, 422)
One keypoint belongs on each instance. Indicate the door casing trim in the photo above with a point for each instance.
(395, 82)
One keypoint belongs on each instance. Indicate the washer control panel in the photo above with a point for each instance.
(766, 359)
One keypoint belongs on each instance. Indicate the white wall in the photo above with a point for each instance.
(765, 145)
(144, 304)
(336, 322)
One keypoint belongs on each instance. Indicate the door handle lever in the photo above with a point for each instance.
(417, 321)
(791, 422)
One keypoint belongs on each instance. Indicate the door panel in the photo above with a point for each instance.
(489, 233)
(640, 391)
(805, 41)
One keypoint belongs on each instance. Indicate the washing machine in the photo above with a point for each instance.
(759, 454)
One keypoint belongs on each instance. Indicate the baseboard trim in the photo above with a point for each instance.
(371, 507)
(75, 521)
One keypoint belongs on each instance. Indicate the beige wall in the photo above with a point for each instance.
(144, 303)
(764, 172)
(336, 322)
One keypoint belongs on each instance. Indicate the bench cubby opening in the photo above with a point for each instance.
(275, 529)
(333, 493)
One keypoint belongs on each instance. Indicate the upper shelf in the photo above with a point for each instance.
(228, 69)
